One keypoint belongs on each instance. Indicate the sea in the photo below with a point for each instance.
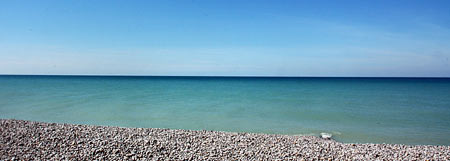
(408, 111)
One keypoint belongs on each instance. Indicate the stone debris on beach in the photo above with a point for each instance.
(325, 135)
(27, 140)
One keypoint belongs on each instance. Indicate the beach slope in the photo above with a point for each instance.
(25, 140)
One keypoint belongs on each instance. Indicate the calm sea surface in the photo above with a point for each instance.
(357, 110)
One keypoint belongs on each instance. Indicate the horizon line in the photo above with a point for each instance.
(243, 76)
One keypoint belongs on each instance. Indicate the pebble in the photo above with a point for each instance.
(27, 140)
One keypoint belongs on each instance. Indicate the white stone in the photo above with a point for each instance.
(325, 135)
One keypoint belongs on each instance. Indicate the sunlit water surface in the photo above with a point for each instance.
(357, 110)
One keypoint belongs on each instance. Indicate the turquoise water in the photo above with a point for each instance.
(357, 110)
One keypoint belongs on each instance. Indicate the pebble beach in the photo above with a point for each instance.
(28, 140)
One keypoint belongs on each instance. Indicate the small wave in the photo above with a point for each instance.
(336, 133)
(309, 134)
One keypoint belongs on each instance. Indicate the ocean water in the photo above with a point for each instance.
(354, 110)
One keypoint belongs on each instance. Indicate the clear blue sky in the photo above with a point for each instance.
(269, 38)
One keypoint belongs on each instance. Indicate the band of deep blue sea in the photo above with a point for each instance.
(356, 110)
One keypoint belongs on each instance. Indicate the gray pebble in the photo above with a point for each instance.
(27, 140)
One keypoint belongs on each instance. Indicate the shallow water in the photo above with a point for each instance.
(357, 110)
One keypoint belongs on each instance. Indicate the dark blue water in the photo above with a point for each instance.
(364, 110)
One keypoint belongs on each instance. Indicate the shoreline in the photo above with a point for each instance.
(25, 140)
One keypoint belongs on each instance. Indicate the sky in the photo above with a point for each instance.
(401, 38)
